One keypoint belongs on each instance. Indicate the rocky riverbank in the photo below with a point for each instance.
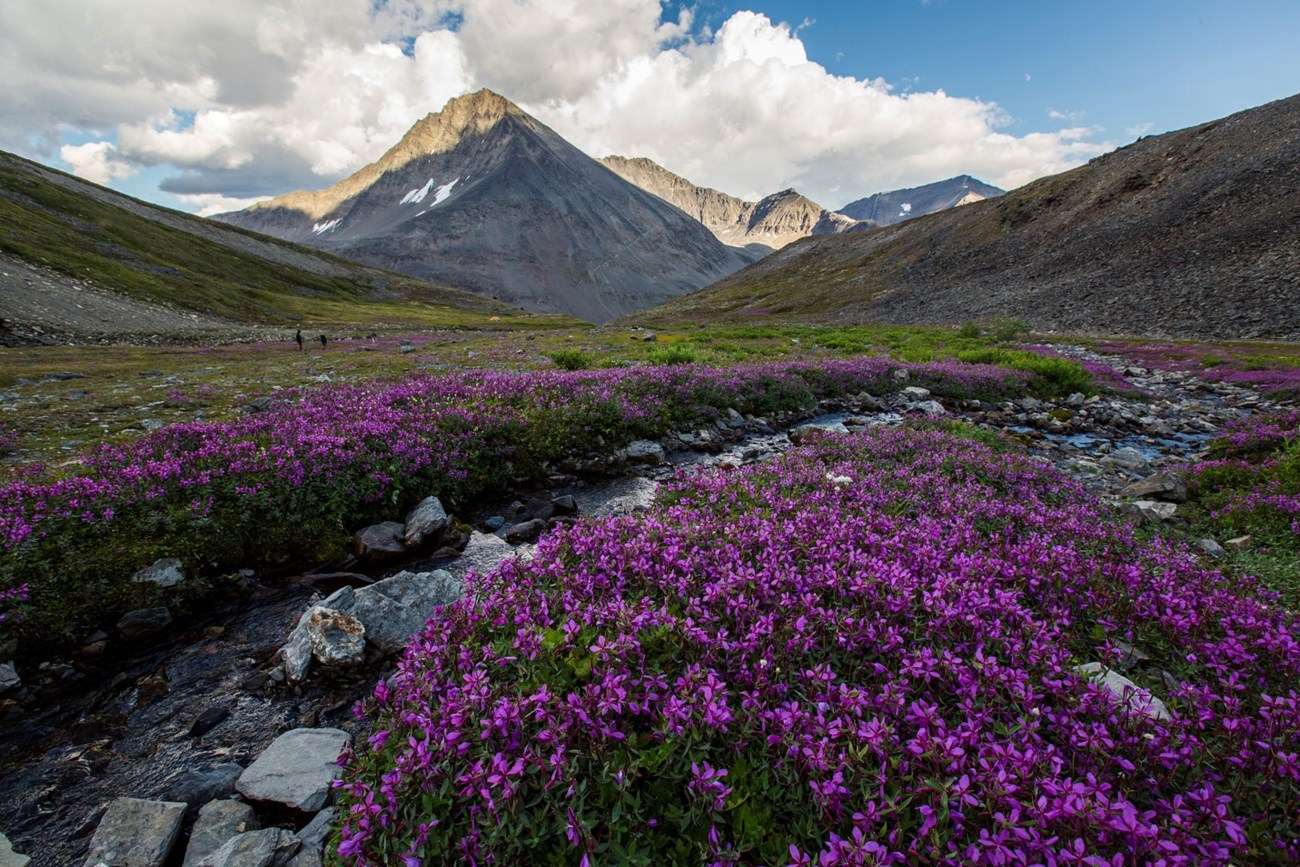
(219, 724)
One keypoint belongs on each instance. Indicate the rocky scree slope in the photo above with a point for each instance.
(1194, 233)
(886, 209)
(483, 197)
(760, 227)
(78, 261)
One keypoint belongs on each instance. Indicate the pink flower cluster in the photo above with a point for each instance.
(774, 666)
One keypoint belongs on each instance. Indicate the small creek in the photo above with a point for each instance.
(122, 724)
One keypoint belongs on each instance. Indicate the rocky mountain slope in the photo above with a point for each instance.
(886, 209)
(1194, 233)
(773, 222)
(483, 197)
(78, 261)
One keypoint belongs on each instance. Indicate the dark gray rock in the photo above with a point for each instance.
(1170, 487)
(144, 622)
(525, 532)
(494, 523)
(380, 542)
(209, 719)
(425, 523)
(270, 847)
(317, 831)
(296, 769)
(136, 833)
(1211, 548)
(167, 572)
(565, 505)
(218, 823)
(803, 432)
(209, 784)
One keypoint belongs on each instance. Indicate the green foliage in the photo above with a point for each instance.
(572, 359)
(1053, 377)
(969, 330)
(1006, 329)
(674, 354)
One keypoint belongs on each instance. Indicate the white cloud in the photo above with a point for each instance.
(1073, 117)
(96, 161)
(250, 97)
(1140, 129)
(207, 204)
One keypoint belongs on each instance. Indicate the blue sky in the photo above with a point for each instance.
(208, 107)
(1123, 65)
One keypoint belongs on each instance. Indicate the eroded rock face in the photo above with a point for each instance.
(136, 833)
(337, 638)
(296, 769)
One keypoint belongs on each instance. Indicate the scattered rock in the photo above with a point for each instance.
(296, 769)
(313, 836)
(143, 622)
(425, 522)
(801, 433)
(136, 833)
(644, 452)
(270, 847)
(9, 678)
(1133, 696)
(1150, 510)
(380, 542)
(167, 572)
(336, 638)
(10, 858)
(1127, 458)
(525, 532)
(1171, 487)
(1241, 543)
(915, 392)
(218, 823)
(1211, 548)
(930, 407)
(208, 720)
(483, 554)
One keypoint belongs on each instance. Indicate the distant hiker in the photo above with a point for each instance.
(322, 341)
(298, 337)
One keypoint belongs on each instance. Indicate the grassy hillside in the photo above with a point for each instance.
(1187, 234)
(150, 254)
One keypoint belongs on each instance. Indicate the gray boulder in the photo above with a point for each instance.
(380, 542)
(644, 452)
(270, 847)
(167, 572)
(144, 622)
(1132, 696)
(296, 769)
(425, 523)
(218, 822)
(1128, 459)
(208, 784)
(136, 833)
(396, 608)
(915, 392)
(313, 836)
(336, 638)
(1171, 487)
(483, 554)
(1211, 548)
(1150, 510)
(929, 407)
(10, 858)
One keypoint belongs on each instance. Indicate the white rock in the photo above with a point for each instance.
(644, 452)
(254, 849)
(915, 392)
(10, 858)
(9, 678)
(296, 769)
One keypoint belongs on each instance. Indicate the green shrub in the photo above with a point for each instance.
(1006, 329)
(969, 330)
(572, 359)
(673, 355)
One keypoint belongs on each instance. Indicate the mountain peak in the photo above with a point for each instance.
(463, 117)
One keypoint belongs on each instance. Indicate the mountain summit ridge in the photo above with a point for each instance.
(484, 197)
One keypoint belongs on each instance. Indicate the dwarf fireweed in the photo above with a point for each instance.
(862, 653)
(290, 483)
